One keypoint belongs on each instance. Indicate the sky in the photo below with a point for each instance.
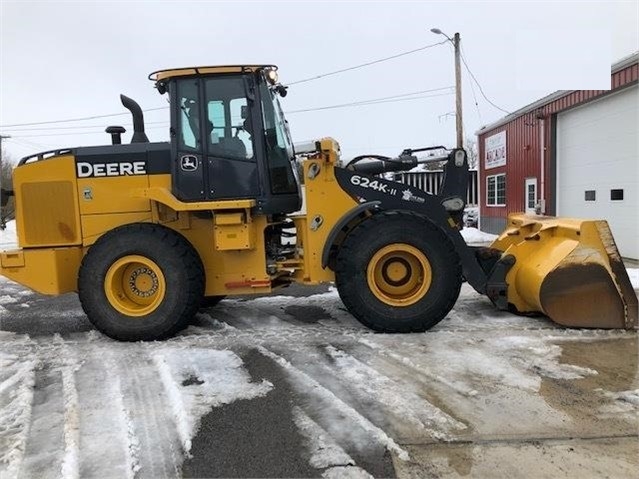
(65, 60)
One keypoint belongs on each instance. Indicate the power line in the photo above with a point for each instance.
(317, 77)
(30, 144)
(97, 132)
(481, 90)
(472, 89)
(79, 119)
(101, 127)
(376, 101)
(373, 101)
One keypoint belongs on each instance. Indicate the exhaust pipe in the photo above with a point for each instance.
(138, 120)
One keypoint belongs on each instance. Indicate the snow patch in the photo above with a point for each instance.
(311, 386)
(473, 235)
(8, 237)
(346, 472)
(132, 448)
(623, 402)
(70, 463)
(16, 398)
(324, 451)
(6, 299)
(539, 357)
(403, 403)
(196, 380)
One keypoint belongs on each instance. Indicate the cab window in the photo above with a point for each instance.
(189, 117)
(228, 130)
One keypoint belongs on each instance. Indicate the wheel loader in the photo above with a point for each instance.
(146, 233)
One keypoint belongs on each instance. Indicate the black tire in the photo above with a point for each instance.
(180, 274)
(415, 232)
(211, 301)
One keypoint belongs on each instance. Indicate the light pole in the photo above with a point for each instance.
(458, 86)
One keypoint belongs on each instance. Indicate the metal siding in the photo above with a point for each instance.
(588, 163)
(525, 163)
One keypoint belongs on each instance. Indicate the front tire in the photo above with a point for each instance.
(397, 272)
(141, 282)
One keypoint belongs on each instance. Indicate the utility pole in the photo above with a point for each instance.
(458, 85)
(458, 93)
(2, 223)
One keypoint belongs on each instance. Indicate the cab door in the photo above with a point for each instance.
(232, 165)
(188, 171)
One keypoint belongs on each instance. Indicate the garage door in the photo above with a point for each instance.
(598, 165)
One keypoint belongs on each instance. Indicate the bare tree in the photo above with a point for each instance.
(7, 211)
(472, 151)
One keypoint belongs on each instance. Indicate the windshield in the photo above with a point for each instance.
(279, 147)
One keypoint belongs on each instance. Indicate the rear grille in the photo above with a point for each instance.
(48, 214)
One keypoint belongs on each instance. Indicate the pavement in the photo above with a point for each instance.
(294, 386)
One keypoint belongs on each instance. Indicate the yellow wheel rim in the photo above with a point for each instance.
(399, 274)
(135, 285)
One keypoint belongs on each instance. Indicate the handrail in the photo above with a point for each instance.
(41, 156)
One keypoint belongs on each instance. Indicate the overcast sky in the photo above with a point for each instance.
(62, 60)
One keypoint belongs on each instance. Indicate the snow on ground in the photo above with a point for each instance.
(8, 238)
(81, 405)
(198, 379)
(473, 236)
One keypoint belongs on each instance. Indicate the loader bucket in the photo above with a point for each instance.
(568, 269)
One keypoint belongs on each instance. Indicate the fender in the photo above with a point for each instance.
(349, 216)
(397, 196)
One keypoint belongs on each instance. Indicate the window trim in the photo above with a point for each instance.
(495, 205)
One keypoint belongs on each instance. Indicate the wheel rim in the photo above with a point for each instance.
(399, 274)
(135, 285)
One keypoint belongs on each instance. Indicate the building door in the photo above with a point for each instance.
(530, 191)
(597, 158)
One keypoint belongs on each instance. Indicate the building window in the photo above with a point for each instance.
(590, 195)
(496, 190)
(616, 195)
(531, 194)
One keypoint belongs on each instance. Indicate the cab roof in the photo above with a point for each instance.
(206, 70)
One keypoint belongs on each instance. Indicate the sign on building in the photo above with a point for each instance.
(495, 150)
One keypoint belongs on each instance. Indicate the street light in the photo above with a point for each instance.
(458, 91)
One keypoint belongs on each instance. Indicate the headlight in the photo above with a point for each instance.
(271, 76)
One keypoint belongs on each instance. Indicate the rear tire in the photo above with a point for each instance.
(398, 272)
(141, 282)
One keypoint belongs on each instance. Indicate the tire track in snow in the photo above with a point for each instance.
(325, 453)
(310, 386)
(404, 409)
(16, 399)
(102, 433)
(156, 449)
(243, 315)
(45, 446)
(70, 467)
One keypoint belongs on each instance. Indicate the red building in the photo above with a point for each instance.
(571, 153)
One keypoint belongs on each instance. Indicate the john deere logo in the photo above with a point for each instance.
(189, 163)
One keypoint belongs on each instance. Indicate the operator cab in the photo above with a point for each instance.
(229, 137)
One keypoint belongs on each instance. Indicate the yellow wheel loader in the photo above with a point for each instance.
(146, 233)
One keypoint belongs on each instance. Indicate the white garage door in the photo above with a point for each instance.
(598, 165)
